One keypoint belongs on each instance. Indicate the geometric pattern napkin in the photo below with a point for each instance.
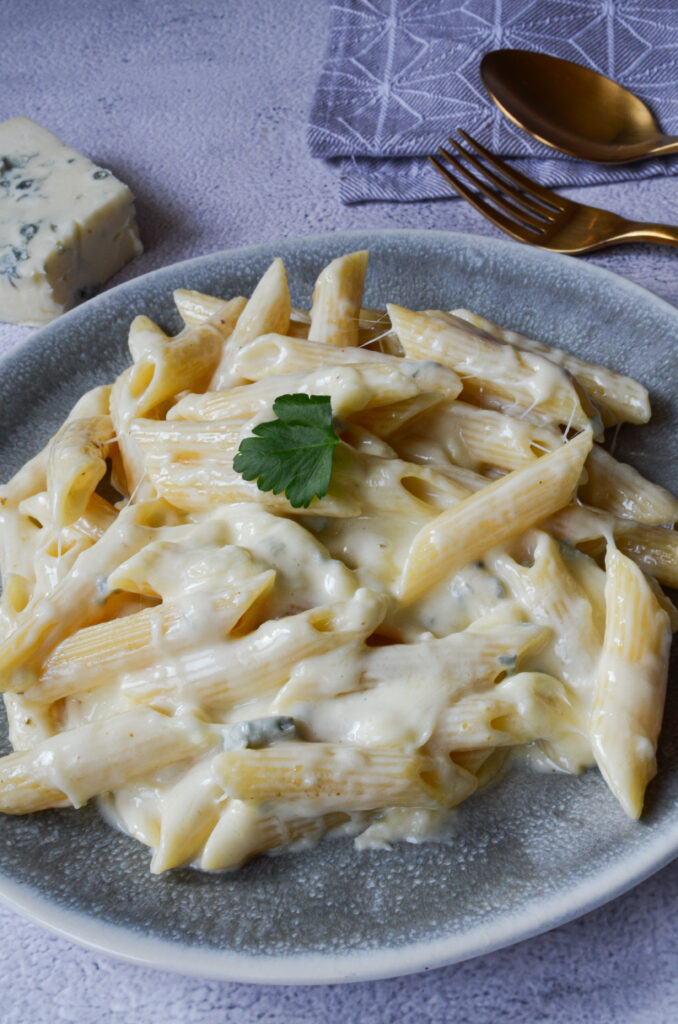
(399, 76)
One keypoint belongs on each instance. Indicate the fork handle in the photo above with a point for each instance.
(639, 231)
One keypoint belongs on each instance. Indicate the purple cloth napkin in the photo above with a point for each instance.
(399, 76)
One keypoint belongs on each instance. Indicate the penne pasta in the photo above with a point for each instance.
(79, 599)
(76, 463)
(494, 374)
(190, 811)
(619, 488)
(268, 309)
(653, 548)
(620, 399)
(337, 297)
(242, 831)
(406, 593)
(76, 765)
(631, 683)
(278, 354)
(493, 515)
(478, 438)
(100, 654)
(526, 707)
(337, 777)
(260, 662)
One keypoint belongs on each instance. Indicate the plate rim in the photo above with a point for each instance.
(127, 945)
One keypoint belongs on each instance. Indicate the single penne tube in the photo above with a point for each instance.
(79, 599)
(351, 389)
(20, 536)
(523, 708)
(186, 558)
(324, 777)
(100, 654)
(243, 831)
(277, 354)
(502, 510)
(196, 307)
(32, 477)
(163, 366)
(196, 485)
(190, 810)
(337, 298)
(233, 672)
(268, 309)
(76, 463)
(620, 399)
(552, 597)
(478, 438)
(192, 440)
(102, 756)
(143, 330)
(452, 665)
(393, 487)
(388, 419)
(630, 684)
(653, 548)
(494, 374)
(238, 403)
(619, 488)
(427, 453)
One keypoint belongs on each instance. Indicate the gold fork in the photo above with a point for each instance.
(534, 214)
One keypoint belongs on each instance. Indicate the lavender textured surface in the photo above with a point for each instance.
(400, 75)
(201, 108)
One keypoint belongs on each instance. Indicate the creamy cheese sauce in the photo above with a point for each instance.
(246, 633)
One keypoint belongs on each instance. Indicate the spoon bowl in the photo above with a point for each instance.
(573, 108)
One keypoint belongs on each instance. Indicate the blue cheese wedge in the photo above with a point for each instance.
(66, 225)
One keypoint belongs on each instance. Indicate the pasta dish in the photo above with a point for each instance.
(305, 572)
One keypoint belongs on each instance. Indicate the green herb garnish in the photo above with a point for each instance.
(294, 452)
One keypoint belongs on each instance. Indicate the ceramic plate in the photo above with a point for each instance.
(535, 851)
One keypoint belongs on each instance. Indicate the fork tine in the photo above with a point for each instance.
(516, 177)
(545, 212)
(519, 231)
(497, 198)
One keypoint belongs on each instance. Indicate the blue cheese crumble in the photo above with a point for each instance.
(66, 225)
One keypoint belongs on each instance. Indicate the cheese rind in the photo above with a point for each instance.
(66, 225)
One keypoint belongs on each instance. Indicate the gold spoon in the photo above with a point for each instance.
(572, 108)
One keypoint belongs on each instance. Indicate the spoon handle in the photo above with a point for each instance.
(667, 146)
(639, 231)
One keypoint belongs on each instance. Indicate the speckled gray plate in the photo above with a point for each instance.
(531, 853)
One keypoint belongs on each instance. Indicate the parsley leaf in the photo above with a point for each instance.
(293, 453)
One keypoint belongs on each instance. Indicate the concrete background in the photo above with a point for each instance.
(201, 108)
